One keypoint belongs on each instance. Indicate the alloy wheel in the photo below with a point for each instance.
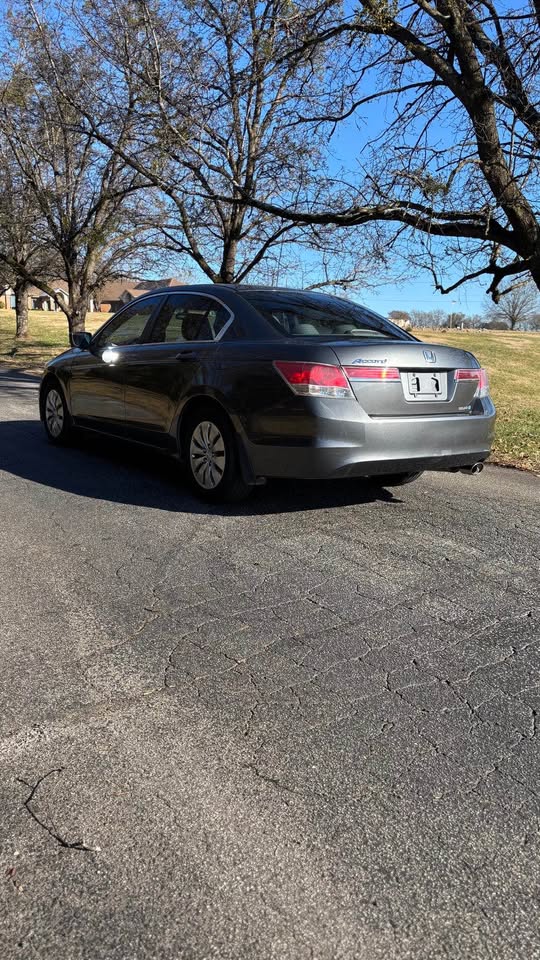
(54, 413)
(207, 455)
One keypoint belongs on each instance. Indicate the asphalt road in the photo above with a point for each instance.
(304, 727)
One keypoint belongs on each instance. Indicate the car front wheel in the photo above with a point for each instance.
(56, 418)
(211, 455)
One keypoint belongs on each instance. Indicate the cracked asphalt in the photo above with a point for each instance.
(302, 727)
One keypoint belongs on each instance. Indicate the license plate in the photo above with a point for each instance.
(426, 386)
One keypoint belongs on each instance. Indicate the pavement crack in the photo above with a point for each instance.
(271, 780)
(169, 664)
(51, 830)
(246, 732)
(114, 648)
(534, 718)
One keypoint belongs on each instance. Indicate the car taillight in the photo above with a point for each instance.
(475, 373)
(360, 372)
(314, 379)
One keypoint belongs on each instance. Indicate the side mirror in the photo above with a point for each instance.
(81, 340)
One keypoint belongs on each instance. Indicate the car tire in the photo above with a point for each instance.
(56, 417)
(395, 479)
(211, 457)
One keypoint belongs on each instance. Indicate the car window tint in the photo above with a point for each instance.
(299, 314)
(185, 318)
(129, 326)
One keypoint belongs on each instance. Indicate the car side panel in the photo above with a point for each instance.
(240, 375)
(96, 390)
(158, 377)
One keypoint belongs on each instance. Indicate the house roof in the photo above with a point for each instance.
(113, 289)
(55, 284)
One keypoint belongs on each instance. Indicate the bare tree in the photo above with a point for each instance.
(210, 99)
(495, 325)
(24, 246)
(429, 318)
(453, 152)
(440, 318)
(85, 194)
(519, 308)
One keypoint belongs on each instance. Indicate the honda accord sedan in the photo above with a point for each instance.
(242, 383)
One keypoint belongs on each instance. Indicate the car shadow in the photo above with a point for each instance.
(20, 385)
(105, 469)
(13, 373)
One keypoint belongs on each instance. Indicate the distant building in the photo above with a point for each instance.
(113, 294)
(37, 299)
(401, 319)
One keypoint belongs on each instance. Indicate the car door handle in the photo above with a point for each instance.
(186, 355)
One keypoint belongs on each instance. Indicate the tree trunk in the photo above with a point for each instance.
(228, 263)
(78, 308)
(77, 320)
(535, 268)
(21, 309)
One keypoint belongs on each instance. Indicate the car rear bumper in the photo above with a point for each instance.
(372, 446)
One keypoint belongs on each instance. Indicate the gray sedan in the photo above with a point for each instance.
(243, 383)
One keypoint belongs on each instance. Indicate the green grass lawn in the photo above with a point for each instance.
(513, 364)
(512, 361)
(48, 336)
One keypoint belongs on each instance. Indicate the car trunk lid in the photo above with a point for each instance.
(400, 378)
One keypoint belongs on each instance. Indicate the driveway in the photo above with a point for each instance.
(303, 727)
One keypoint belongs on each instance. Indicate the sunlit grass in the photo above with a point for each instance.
(513, 364)
(48, 336)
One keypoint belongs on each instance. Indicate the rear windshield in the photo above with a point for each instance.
(299, 314)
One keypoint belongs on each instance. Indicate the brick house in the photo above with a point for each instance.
(37, 299)
(113, 294)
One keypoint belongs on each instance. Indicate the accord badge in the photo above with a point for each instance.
(380, 363)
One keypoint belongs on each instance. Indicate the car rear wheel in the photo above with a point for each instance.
(56, 418)
(211, 456)
(395, 479)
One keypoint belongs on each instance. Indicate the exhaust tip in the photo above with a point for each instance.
(474, 469)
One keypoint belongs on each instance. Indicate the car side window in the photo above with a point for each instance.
(186, 318)
(130, 325)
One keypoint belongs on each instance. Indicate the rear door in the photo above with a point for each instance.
(422, 379)
(97, 376)
(182, 344)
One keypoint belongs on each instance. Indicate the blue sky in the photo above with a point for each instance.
(418, 294)
(418, 291)
(348, 148)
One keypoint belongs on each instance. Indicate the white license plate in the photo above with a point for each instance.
(423, 385)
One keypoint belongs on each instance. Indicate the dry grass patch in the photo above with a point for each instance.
(48, 336)
(513, 364)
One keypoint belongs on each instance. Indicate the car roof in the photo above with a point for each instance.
(212, 289)
(235, 288)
